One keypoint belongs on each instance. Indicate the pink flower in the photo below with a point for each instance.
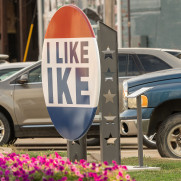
(7, 172)
(124, 167)
(97, 169)
(105, 172)
(63, 179)
(117, 177)
(127, 177)
(90, 174)
(3, 179)
(49, 172)
(22, 167)
(120, 174)
(105, 163)
(61, 168)
(114, 162)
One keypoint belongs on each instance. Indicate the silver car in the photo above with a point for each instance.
(23, 113)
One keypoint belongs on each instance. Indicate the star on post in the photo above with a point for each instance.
(108, 75)
(76, 142)
(108, 53)
(110, 140)
(109, 118)
(109, 97)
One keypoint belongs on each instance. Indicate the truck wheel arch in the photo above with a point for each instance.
(162, 112)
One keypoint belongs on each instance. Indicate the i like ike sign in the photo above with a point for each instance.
(71, 72)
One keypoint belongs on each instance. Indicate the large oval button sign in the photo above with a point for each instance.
(71, 72)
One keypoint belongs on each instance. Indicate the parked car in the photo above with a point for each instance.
(9, 69)
(23, 112)
(161, 109)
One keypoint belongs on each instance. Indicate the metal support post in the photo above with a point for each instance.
(109, 97)
(137, 94)
(140, 131)
(77, 150)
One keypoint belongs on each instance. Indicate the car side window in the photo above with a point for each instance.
(35, 75)
(123, 61)
(152, 63)
(132, 69)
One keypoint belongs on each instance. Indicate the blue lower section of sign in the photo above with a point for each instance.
(71, 123)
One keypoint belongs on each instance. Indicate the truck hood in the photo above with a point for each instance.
(155, 77)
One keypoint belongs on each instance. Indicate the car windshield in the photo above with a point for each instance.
(5, 73)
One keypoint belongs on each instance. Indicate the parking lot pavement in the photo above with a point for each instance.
(128, 148)
(41, 141)
(125, 142)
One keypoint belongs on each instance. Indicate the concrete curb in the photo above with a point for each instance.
(5, 150)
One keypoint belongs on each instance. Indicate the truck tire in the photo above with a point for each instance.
(150, 141)
(5, 130)
(169, 137)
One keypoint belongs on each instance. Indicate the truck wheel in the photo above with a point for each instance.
(150, 141)
(5, 130)
(169, 137)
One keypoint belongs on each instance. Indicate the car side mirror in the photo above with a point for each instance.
(23, 79)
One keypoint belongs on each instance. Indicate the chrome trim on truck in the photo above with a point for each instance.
(129, 127)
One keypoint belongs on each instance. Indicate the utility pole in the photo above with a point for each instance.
(4, 32)
(109, 13)
(23, 25)
(119, 26)
(129, 25)
(40, 27)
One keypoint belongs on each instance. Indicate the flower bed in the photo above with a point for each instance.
(21, 167)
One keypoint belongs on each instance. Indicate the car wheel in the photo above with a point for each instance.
(150, 141)
(169, 137)
(93, 141)
(5, 130)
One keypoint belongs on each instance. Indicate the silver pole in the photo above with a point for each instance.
(140, 131)
(119, 24)
(40, 27)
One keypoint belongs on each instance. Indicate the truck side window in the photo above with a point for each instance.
(123, 61)
(132, 69)
(152, 63)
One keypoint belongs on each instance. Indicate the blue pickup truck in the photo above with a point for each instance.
(161, 110)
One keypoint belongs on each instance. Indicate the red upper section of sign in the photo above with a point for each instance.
(69, 22)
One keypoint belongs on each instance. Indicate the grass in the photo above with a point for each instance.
(170, 169)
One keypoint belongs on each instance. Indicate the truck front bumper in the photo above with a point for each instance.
(128, 122)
